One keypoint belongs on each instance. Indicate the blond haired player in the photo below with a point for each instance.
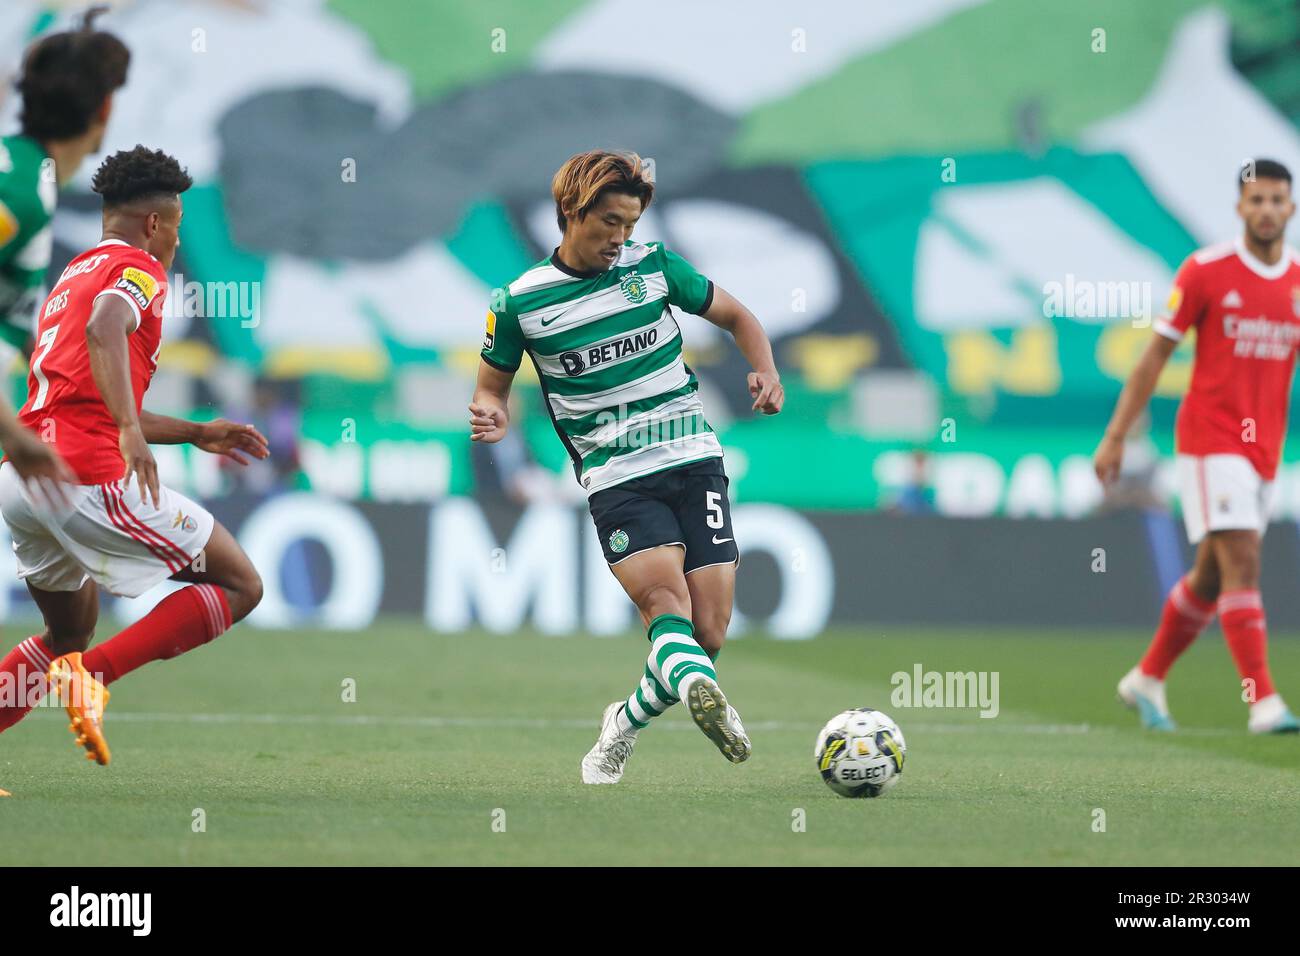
(597, 319)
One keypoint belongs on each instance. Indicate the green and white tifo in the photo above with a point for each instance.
(398, 746)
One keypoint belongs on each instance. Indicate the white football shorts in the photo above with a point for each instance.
(109, 534)
(1222, 493)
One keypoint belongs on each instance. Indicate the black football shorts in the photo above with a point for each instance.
(686, 505)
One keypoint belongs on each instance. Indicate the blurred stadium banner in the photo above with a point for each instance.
(331, 563)
(956, 282)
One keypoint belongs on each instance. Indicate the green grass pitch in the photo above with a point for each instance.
(448, 730)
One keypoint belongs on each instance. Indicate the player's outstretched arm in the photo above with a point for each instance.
(1139, 388)
(218, 437)
(488, 415)
(726, 312)
(111, 321)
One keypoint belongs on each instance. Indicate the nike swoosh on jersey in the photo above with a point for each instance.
(717, 540)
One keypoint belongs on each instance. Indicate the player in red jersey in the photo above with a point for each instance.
(98, 337)
(1243, 300)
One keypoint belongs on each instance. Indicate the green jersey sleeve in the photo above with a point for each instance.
(27, 201)
(687, 289)
(503, 342)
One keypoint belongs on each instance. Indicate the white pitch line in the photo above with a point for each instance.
(575, 723)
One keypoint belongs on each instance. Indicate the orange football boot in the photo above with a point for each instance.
(84, 699)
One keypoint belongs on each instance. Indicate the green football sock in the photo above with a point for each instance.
(674, 656)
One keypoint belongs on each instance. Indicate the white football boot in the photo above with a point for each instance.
(1271, 716)
(605, 761)
(1146, 695)
(718, 719)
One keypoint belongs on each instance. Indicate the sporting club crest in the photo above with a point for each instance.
(634, 288)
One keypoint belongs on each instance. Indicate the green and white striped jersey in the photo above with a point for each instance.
(28, 195)
(608, 352)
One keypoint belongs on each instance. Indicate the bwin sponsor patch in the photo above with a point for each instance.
(139, 285)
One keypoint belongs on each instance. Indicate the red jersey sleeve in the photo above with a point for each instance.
(137, 280)
(1186, 303)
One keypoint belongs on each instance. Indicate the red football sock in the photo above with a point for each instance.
(181, 622)
(1242, 615)
(1184, 617)
(22, 679)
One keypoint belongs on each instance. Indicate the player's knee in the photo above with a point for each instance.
(254, 591)
(1245, 571)
(244, 593)
(1204, 582)
(707, 640)
(711, 632)
(251, 590)
(1239, 563)
(1242, 566)
(68, 641)
(664, 598)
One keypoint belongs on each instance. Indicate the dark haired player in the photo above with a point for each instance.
(67, 84)
(1243, 300)
(98, 337)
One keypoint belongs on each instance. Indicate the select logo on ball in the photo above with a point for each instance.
(860, 753)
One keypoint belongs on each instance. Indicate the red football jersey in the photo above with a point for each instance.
(1247, 320)
(63, 404)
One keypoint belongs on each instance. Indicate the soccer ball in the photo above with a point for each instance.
(860, 753)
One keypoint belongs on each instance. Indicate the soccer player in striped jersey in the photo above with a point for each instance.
(67, 84)
(596, 318)
(1243, 301)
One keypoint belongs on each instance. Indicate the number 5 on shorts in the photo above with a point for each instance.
(713, 503)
